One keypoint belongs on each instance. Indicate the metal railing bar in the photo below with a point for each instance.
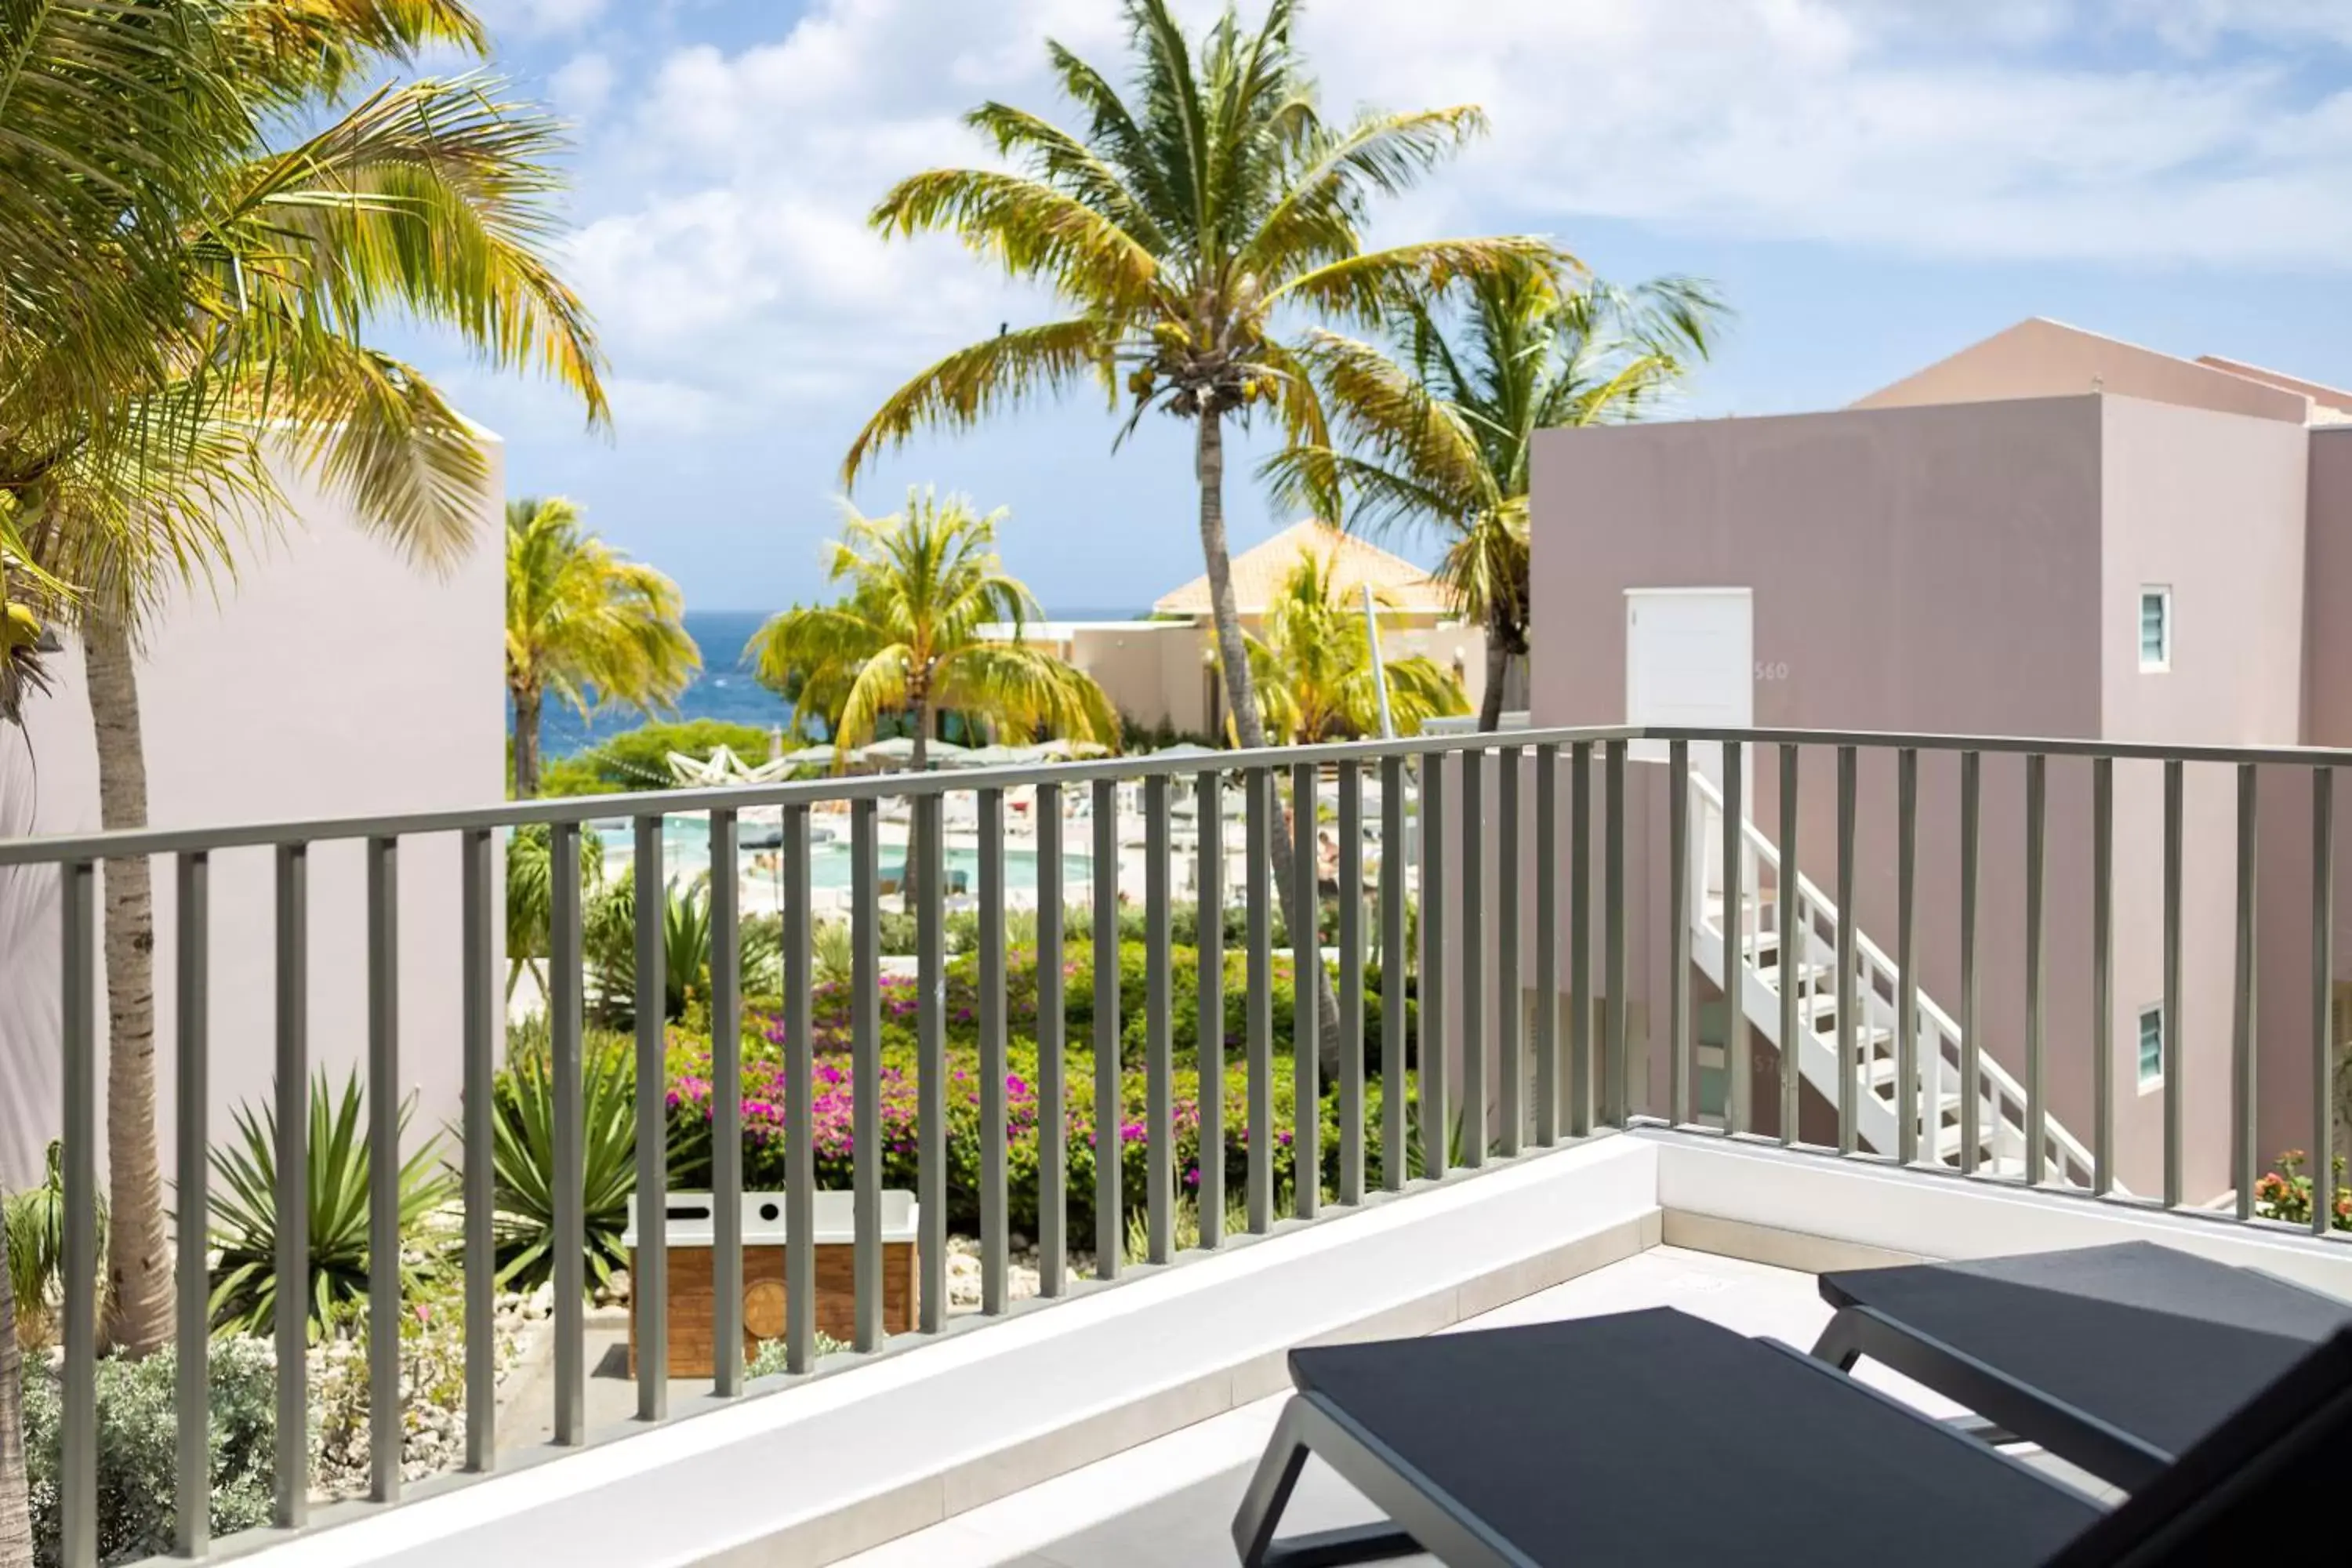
(2242, 1009)
(1971, 1047)
(1579, 952)
(865, 1076)
(995, 1218)
(1396, 971)
(567, 1221)
(1547, 945)
(1474, 1109)
(579, 809)
(2323, 987)
(192, 1387)
(800, 1108)
(2173, 1057)
(1053, 1089)
(1681, 1050)
(1110, 1231)
(58, 849)
(1435, 1128)
(2037, 1116)
(1307, 1024)
(649, 1270)
(480, 1048)
(726, 1109)
(1912, 1110)
(1258, 1136)
(1737, 1112)
(1892, 739)
(383, 1306)
(1510, 1058)
(1793, 955)
(1351, 984)
(1620, 1064)
(926, 875)
(2103, 975)
(1158, 1028)
(1209, 917)
(291, 1466)
(1849, 1070)
(77, 1459)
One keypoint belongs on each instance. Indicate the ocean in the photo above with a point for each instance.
(725, 690)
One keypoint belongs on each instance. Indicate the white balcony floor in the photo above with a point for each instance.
(1170, 1503)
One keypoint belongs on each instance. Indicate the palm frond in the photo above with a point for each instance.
(1370, 287)
(975, 382)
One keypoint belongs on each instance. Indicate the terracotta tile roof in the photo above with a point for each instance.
(1258, 573)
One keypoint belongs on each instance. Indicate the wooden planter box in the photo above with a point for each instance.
(691, 1303)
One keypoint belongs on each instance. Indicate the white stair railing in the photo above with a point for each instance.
(1762, 920)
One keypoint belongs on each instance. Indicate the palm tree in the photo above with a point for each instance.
(1434, 430)
(431, 200)
(1314, 667)
(1182, 229)
(909, 638)
(585, 624)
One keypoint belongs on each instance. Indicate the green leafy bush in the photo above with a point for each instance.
(522, 1160)
(244, 1207)
(138, 1475)
(2285, 1194)
(638, 759)
(36, 1225)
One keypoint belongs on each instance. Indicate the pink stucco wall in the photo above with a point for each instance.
(328, 680)
(1974, 567)
(1918, 569)
(2213, 506)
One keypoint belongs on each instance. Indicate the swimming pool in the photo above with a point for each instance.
(686, 855)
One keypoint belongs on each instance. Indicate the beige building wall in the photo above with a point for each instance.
(329, 680)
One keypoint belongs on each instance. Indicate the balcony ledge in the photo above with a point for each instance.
(900, 1442)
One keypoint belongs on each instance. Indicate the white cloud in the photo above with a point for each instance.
(538, 19)
(583, 83)
(728, 255)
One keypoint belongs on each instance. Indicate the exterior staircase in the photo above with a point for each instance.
(1789, 935)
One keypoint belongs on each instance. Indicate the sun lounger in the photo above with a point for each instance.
(2117, 1359)
(1656, 1438)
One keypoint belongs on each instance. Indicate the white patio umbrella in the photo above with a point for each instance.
(899, 750)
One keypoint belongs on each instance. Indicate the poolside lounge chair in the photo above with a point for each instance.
(2056, 1348)
(1656, 1438)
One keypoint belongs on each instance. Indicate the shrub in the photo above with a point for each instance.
(244, 1207)
(2285, 1194)
(522, 1160)
(137, 1448)
(35, 1220)
(638, 759)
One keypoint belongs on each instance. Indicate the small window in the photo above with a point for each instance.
(2155, 628)
(2151, 1046)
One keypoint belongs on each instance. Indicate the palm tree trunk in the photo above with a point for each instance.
(1498, 670)
(915, 849)
(526, 700)
(139, 1268)
(1240, 695)
(15, 1503)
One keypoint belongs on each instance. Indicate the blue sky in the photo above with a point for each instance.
(1871, 183)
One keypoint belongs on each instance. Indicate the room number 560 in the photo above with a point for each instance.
(1778, 670)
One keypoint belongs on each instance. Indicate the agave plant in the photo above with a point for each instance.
(522, 1160)
(610, 945)
(245, 1282)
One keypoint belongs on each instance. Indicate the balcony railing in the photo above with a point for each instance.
(1521, 880)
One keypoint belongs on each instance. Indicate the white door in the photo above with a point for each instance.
(1690, 661)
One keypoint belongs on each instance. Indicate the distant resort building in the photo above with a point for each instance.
(1162, 672)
